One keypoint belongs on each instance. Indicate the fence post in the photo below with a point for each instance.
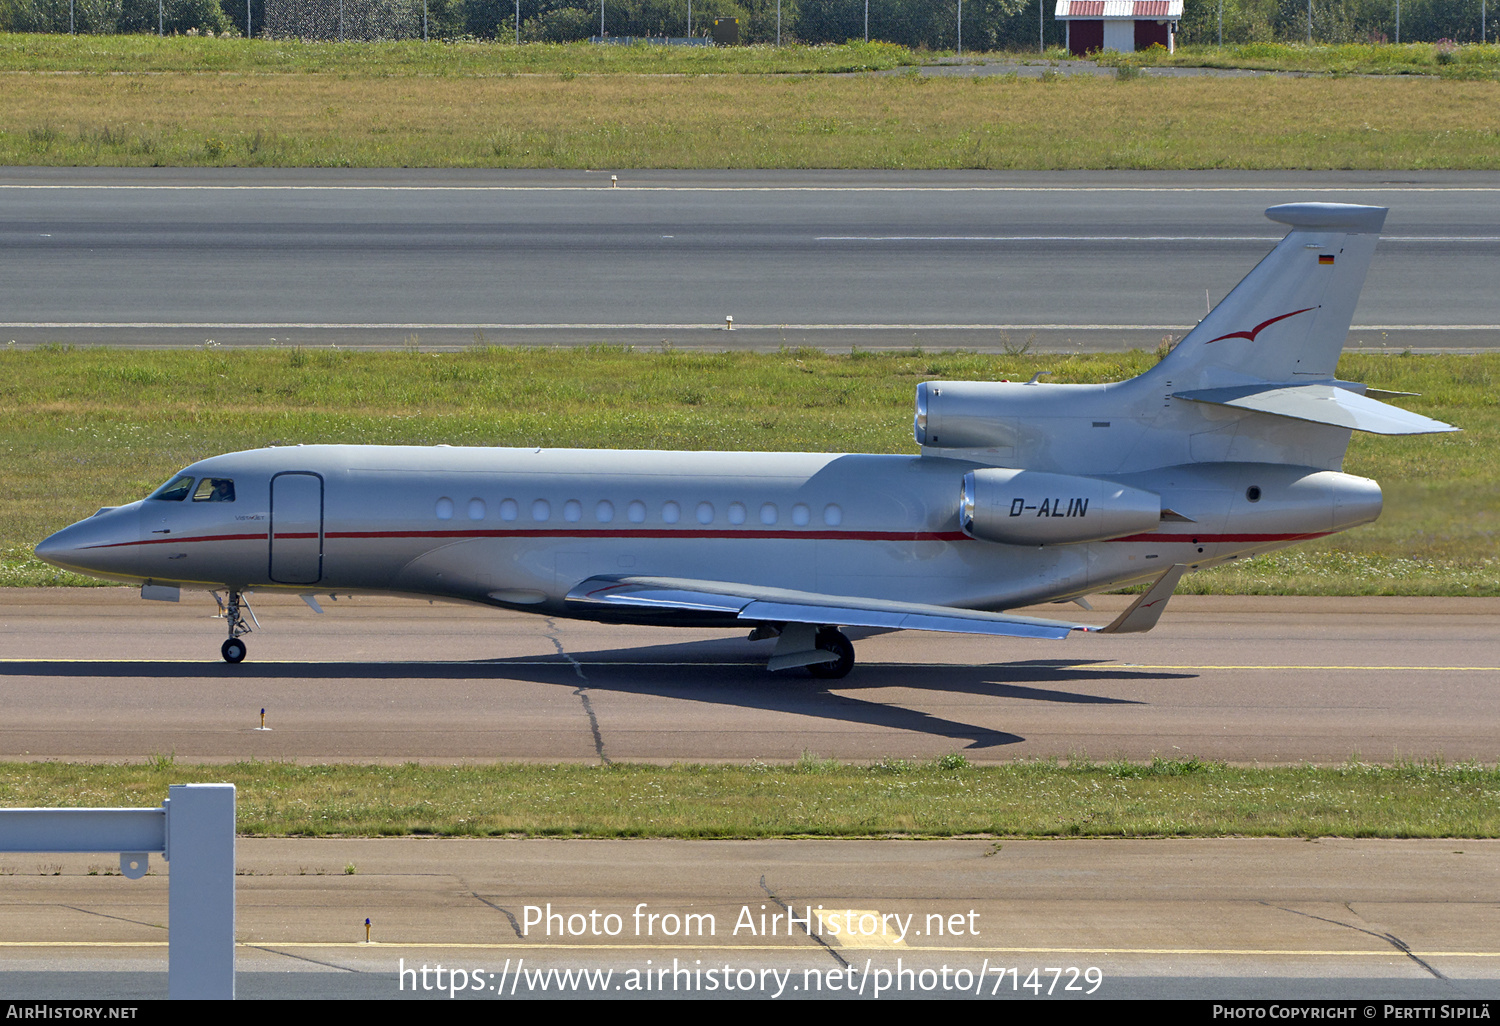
(200, 898)
(194, 829)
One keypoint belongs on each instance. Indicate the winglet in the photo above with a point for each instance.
(1146, 610)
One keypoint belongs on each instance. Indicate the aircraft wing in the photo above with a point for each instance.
(750, 604)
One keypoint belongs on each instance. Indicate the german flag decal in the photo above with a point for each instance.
(1325, 258)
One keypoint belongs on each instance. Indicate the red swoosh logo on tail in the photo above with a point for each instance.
(1259, 327)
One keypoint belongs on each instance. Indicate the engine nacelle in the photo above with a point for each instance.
(1030, 507)
(964, 415)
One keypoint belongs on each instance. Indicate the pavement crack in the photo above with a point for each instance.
(788, 910)
(515, 926)
(106, 915)
(1390, 938)
(582, 691)
(303, 958)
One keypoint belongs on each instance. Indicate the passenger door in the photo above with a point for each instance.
(296, 535)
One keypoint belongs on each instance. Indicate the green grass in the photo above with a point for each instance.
(138, 54)
(1461, 62)
(91, 427)
(812, 798)
(137, 101)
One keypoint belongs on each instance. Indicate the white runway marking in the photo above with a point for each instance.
(1129, 238)
(413, 326)
(604, 186)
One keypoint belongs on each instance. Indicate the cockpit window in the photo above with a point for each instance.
(174, 490)
(214, 489)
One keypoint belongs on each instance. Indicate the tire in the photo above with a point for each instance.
(233, 650)
(831, 639)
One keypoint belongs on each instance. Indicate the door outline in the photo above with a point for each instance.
(292, 562)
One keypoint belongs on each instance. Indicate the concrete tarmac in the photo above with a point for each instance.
(100, 674)
(1119, 918)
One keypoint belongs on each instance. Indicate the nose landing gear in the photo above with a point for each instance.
(234, 650)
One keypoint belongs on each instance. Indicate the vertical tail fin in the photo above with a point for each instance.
(1288, 319)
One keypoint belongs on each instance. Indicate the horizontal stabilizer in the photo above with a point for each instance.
(748, 603)
(1146, 610)
(1321, 404)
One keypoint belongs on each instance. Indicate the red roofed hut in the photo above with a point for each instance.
(1123, 25)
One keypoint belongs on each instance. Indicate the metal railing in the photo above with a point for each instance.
(194, 831)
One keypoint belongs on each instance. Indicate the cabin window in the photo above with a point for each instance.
(445, 508)
(833, 516)
(214, 489)
(572, 511)
(476, 509)
(705, 512)
(509, 509)
(736, 512)
(605, 511)
(769, 513)
(636, 511)
(174, 490)
(801, 515)
(671, 512)
(541, 509)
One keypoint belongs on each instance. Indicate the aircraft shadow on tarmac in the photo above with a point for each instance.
(728, 672)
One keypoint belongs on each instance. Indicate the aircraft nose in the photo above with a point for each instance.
(54, 548)
(65, 547)
(90, 546)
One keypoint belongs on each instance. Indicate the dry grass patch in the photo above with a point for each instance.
(312, 120)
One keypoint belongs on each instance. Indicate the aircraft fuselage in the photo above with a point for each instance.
(522, 527)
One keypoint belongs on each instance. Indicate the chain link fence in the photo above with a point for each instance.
(931, 24)
(359, 20)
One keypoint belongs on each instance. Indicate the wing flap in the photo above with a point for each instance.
(750, 604)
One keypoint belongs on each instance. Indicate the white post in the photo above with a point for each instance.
(194, 829)
(867, 21)
(200, 897)
(1309, 22)
(1041, 37)
(518, 22)
(161, 18)
(601, 19)
(71, 30)
(960, 28)
(1398, 22)
(424, 21)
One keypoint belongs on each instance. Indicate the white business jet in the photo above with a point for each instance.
(1023, 493)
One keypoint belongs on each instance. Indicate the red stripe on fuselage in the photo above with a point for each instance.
(190, 538)
(652, 532)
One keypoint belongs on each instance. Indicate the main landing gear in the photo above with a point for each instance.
(825, 651)
(233, 650)
(831, 639)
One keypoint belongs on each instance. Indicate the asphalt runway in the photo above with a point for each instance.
(1057, 261)
(99, 674)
